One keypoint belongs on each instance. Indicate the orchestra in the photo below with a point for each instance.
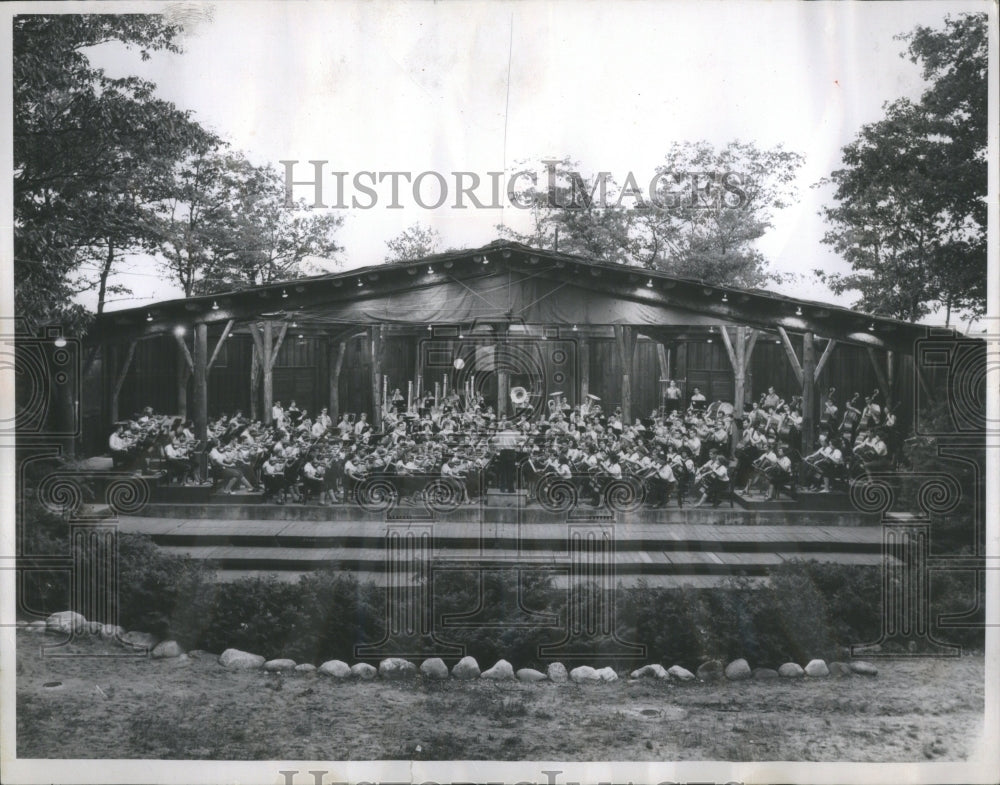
(672, 454)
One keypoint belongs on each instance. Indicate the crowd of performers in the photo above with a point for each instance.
(680, 452)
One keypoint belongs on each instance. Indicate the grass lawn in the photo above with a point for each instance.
(133, 707)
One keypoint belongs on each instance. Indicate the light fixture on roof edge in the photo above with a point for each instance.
(179, 330)
(574, 328)
(430, 269)
(284, 294)
(725, 297)
(215, 305)
(59, 342)
(649, 284)
(430, 328)
(149, 316)
(798, 310)
(871, 327)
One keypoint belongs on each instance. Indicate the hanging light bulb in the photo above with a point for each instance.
(215, 305)
(430, 328)
(574, 328)
(294, 325)
(59, 342)
(179, 330)
(649, 284)
(485, 259)
(871, 327)
(430, 269)
(360, 282)
(149, 316)
(284, 294)
(725, 297)
(798, 311)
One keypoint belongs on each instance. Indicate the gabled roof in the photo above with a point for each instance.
(509, 282)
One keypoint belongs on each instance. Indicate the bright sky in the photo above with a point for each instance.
(417, 86)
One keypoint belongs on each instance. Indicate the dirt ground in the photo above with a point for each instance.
(133, 707)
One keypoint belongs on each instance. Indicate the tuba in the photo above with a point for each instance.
(518, 396)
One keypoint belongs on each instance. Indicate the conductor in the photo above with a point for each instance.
(507, 441)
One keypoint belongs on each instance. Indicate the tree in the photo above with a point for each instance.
(910, 216)
(699, 216)
(414, 242)
(84, 147)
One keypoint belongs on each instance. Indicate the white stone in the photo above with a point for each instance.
(607, 674)
(364, 671)
(396, 668)
(304, 667)
(144, 641)
(680, 673)
(338, 669)
(654, 671)
(502, 671)
(466, 668)
(234, 659)
(557, 673)
(738, 670)
(817, 669)
(584, 674)
(280, 664)
(65, 622)
(166, 650)
(864, 668)
(530, 675)
(791, 670)
(434, 668)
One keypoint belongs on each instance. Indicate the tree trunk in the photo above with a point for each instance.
(105, 272)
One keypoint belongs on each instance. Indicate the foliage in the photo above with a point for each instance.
(414, 242)
(85, 148)
(910, 216)
(706, 209)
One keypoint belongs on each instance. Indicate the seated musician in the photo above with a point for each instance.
(771, 399)
(871, 415)
(225, 469)
(712, 479)
(766, 464)
(871, 449)
(825, 465)
(660, 483)
(121, 447)
(312, 478)
(780, 473)
(361, 427)
(292, 414)
(179, 463)
(354, 472)
(747, 451)
(698, 402)
(852, 415)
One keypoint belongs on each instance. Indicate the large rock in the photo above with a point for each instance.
(680, 673)
(765, 674)
(143, 641)
(112, 632)
(434, 668)
(557, 673)
(166, 650)
(338, 669)
(738, 670)
(502, 671)
(466, 668)
(864, 668)
(607, 674)
(234, 659)
(363, 671)
(304, 668)
(791, 670)
(710, 671)
(653, 671)
(395, 668)
(281, 664)
(66, 622)
(584, 675)
(530, 675)
(817, 669)
(840, 669)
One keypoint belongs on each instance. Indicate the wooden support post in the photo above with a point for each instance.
(823, 358)
(883, 381)
(738, 354)
(625, 341)
(375, 341)
(266, 352)
(583, 360)
(201, 391)
(119, 379)
(501, 362)
(184, 367)
(336, 363)
(255, 376)
(808, 396)
(890, 373)
(790, 353)
(219, 344)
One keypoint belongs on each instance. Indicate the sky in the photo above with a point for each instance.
(478, 87)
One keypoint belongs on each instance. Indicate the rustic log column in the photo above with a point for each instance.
(254, 377)
(119, 379)
(500, 360)
(183, 374)
(201, 390)
(268, 348)
(625, 342)
(336, 363)
(583, 360)
(808, 395)
(375, 342)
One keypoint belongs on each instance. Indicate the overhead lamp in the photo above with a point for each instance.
(360, 282)
(574, 328)
(59, 342)
(871, 327)
(215, 305)
(284, 294)
(725, 297)
(301, 336)
(798, 311)
(649, 284)
(179, 330)
(430, 269)
(484, 259)
(294, 325)
(430, 328)
(149, 316)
